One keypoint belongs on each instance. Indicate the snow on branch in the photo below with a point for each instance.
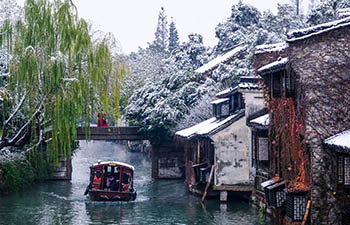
(4, 127)
(16, 137)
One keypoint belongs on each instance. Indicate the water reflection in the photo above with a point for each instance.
(157, 202)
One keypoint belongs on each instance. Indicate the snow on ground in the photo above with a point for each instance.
(7, 155)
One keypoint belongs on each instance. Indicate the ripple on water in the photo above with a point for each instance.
(158, 201)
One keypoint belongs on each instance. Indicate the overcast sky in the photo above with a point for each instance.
(133, 22)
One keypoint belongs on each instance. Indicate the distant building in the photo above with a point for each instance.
(222, 141)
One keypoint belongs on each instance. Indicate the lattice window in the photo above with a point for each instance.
(299, 207)
(263, 149)
(340, 169)
(346, 170)
(225, 109)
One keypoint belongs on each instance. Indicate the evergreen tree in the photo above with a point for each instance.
(161, 34)
(173, 37)
(326, 11)
(233, 31)
(296, 4)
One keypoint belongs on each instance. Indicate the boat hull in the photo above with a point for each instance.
(104, 195)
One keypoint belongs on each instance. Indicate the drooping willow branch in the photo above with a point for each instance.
(67, 76)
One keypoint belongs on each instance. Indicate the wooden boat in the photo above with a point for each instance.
(111, 181)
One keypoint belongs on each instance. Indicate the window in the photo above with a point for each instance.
(225, 109)
(263, 149)
(340, 169)
(276, 84)
(346, 170)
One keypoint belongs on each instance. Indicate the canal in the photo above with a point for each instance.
(157, 202)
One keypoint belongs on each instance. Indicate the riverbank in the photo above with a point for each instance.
(18, 171)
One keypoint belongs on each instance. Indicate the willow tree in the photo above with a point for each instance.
(55, 77)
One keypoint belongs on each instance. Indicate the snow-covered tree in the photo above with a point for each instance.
(173, 37)
(145, 64)
(159, 104)
(232, 32)
(56, 78)
(202, 109)
(326, 11)
(10, 11)
(162, 33)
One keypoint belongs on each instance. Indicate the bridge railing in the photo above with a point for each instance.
(110, 133)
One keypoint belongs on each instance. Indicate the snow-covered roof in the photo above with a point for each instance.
(263, 120)
(249, 83)
(220, 59)
(209, 126)
(274, 67)
(268, 183)
(114, 162)
(226, 92)
(221, 100)
(342, 13)
(278, 47)
(341, 140)
(316, 30)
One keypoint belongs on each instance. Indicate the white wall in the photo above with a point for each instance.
(254, 101)
(231, 154)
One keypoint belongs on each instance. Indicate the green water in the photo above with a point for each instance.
(157, 202)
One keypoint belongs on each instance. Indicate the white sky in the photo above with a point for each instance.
(133, 22)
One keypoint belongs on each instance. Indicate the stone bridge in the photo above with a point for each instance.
(110, 133)
(167, 160)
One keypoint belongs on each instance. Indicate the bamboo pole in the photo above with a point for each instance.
(208, 183)
(306, 212)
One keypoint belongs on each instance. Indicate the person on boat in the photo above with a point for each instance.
(96, 183)
(114, 184)
(109, 182)
(125, 181)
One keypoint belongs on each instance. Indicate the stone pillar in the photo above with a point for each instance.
(64, 170)
(155, 164)
(223, 196)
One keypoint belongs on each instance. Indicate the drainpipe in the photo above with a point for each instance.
(198, 152)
